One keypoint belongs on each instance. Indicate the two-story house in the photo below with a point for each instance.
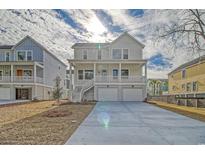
(28, 70)
(112, 71)
(188, 80)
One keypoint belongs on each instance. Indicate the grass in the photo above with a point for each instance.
(53, 126)
(192, 112)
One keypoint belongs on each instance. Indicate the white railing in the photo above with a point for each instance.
(22, 79)
(78, 92)
(5, 78)
(117, 79)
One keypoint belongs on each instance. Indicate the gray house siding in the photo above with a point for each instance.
(53, 68)
(28, 44)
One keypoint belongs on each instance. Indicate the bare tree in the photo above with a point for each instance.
(188, 30)
(58, 91)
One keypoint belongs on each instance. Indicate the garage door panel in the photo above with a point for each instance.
(5, 94)
(107, 94)
(132, 94)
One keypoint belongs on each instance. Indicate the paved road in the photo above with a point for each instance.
(137, 123)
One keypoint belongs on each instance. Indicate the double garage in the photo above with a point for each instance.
(121, 93)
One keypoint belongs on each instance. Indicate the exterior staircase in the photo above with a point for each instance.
(79, 91)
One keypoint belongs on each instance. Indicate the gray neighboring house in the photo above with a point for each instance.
(28, 70)
(114, 71)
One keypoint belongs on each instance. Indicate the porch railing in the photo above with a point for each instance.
(21, 79)
(117, 79)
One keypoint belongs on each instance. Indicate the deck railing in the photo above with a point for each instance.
(20, 79)
(117, 79)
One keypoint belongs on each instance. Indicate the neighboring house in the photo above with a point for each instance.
(188, 80)
(157, 87)
(28, 70)
(112, 71)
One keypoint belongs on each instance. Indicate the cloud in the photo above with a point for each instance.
(57, 30)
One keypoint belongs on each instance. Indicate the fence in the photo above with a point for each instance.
(186, 101)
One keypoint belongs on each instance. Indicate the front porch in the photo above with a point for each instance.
(108, 73)
(21, 72)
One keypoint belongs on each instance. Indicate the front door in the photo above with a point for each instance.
(19, 72)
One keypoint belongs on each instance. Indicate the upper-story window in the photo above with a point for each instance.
(24, 55)
(195, 86)
(188, 87)
(183, 74)
(125, 53)
(29, 55)
(7, 56)
(85, 56)
(99, 54)
(116, 53)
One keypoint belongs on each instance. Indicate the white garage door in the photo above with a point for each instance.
(132, 95)
(5, 94)
(107, 94)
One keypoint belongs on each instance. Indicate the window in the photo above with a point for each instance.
(104, 72)
(183, 74)
(29, 55)
(125, 53)
(194, 86)
(24, 55)
(99, 54)
(1, 75)
(7, 56)
(183, 86)
(188, 87)
(115, 73)
(27, 73)
(88, 74)
(125, 73)
(85, 54)
(21, 56)
(116, 53)
(80, 74)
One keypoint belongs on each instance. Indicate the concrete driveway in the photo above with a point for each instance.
(137, 123)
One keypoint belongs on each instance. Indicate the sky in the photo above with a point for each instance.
(58, 30)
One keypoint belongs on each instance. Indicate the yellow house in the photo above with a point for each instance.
(188, 80)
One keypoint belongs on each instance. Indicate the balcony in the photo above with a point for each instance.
(20, 79)
(117, 79)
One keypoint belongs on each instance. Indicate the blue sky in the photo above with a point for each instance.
(59, 29)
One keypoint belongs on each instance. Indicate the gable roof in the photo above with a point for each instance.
(94, 45)
(126, 33)
(197, 60)
(89, 45)
(41, 46)
(6, 46)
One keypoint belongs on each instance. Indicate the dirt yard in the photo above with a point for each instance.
(15, 112)
(47, 124)
(192, 112)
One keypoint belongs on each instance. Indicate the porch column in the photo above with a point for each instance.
(94, 72)
(12, 73)
(70, 72)
(34, 74)
(120, 67)
(145, 65)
